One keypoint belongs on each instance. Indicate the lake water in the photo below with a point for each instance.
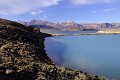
(69, 32)
(94, 54)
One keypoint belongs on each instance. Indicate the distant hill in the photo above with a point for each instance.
(110, 31)
(99, 26)
(69, 25)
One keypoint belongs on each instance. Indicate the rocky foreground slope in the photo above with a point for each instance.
(22, 56)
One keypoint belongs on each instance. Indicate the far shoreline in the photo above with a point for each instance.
(100, 32)
(85, 34)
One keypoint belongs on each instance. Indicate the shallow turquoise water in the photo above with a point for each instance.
(94, 54)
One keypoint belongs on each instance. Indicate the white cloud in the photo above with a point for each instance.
(37, 12)
(44, 17)
(104, 10)
(13, 7)
(94, 11)
(83, 2)
(109, 9)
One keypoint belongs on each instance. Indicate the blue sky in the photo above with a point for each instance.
(82, 11)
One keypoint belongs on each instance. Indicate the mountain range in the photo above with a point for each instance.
(69, 25)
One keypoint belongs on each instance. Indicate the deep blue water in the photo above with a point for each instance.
(69, 32)
(94, 54)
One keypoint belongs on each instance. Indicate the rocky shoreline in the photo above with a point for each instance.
(22, 56)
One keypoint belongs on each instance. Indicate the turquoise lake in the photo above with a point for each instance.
(94, 54)
(69, 32)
